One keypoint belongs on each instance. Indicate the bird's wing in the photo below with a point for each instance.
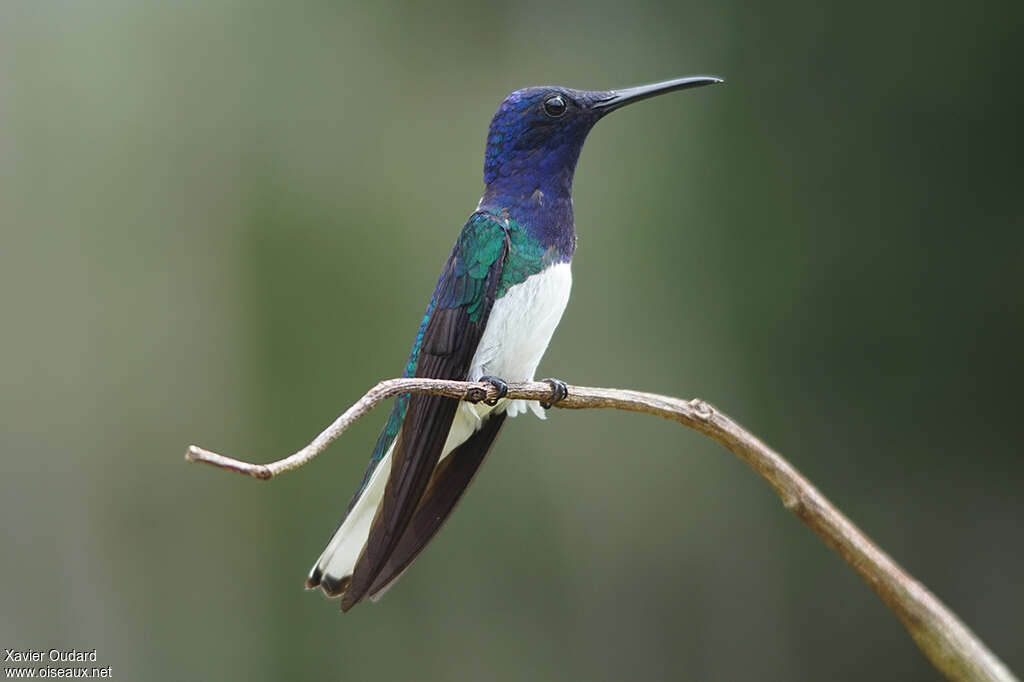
(455, 321)
(450, 480)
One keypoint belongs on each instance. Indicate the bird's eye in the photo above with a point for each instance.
(554, 106)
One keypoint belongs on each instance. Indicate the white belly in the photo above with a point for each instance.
(518, 331)
(520, 327)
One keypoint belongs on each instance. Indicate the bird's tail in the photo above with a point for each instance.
(333, 570)
(467, 445)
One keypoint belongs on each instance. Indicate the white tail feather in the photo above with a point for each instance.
(338, 560)
(339, 557)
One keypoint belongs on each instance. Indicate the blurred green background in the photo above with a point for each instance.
(221, 222)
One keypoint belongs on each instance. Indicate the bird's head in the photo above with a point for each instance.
(537, 133)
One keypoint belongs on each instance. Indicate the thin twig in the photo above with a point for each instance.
(945, 641)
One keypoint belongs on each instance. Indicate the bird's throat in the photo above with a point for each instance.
(542, 206)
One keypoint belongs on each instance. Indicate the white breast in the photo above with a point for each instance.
(520, 327)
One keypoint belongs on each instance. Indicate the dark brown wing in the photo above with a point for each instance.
(450, 480)
(457, 317)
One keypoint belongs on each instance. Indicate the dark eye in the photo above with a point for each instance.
(554, 106)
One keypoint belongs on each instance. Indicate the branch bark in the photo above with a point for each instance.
(950, 646)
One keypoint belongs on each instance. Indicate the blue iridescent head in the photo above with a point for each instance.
(537, 133)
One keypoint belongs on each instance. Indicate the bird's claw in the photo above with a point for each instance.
(500, 385)
(559, 392)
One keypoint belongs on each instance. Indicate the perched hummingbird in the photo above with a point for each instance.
(499, 298)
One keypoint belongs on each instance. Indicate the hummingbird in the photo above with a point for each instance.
(494, 310)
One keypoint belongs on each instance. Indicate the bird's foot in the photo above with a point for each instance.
(500, 385)
(559, 392)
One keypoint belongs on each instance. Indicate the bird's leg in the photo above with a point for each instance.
(499, 384)
(559, 392)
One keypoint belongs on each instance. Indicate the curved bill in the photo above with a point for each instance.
(620, 98)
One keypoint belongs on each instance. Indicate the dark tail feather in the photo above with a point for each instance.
(414, 459)
(451, 479)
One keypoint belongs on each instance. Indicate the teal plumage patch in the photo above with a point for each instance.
(463, 281)
(526, 257)
(479, 245)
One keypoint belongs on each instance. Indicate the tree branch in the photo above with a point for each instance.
(945, 641)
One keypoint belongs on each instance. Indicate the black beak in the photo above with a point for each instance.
(620, 98)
